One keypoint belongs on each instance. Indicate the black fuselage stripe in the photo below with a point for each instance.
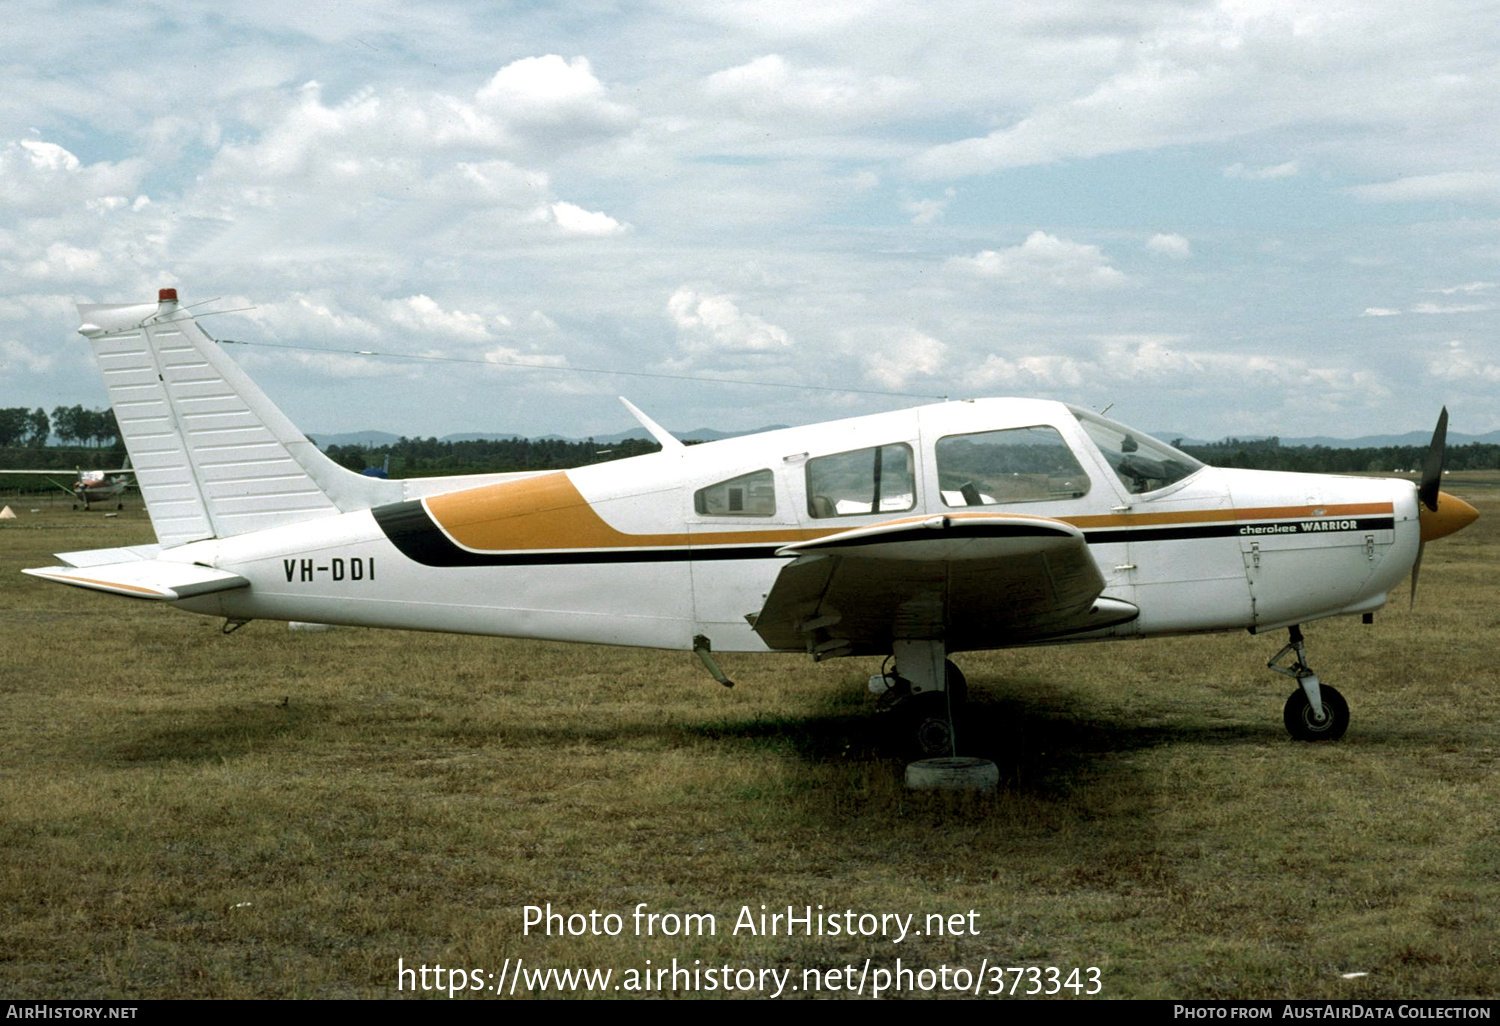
(1264, 529)
(411, 529)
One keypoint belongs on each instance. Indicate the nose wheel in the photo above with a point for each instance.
(1303, 725)
(1314, 712)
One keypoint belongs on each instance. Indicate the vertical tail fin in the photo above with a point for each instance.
(213, 455)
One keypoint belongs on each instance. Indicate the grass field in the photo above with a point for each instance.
(286, 814)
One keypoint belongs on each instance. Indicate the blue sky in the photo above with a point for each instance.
(1217, 218)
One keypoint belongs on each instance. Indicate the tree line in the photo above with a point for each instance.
(1270, 454)
(416, 457)
(34, 429)
(427, 457)
(26, 437)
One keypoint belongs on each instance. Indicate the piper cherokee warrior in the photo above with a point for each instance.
(959, 526)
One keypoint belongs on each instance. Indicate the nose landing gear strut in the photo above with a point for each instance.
(1315, 711)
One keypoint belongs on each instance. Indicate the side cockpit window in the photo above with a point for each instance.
(1030, 464)
(878, 480)
(749, 495)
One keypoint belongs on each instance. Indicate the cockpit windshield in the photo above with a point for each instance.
(1142, 463)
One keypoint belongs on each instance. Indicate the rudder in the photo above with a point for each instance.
(213, 456)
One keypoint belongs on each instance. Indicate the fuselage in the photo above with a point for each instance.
(97, 487)
(658, 549)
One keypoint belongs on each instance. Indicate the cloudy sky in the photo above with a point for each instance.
(1246, 216)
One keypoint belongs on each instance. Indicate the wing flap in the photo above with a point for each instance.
(144, 578)
(975, 582)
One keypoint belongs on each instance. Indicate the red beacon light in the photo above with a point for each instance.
(166, 296)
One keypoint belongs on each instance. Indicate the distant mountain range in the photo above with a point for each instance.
(375, 439)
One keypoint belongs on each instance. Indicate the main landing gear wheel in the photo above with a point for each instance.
(932, 714)
(929, 730)
(922, 697)
(1303, 726)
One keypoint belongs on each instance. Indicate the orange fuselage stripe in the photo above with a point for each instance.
(548, 512)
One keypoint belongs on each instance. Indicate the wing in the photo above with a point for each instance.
(51, 476)
(984, 581)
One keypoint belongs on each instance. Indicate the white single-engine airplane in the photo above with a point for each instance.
(90, 486)
(953, 527)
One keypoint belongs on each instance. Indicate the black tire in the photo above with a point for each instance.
(929, 730)
(1299, 720)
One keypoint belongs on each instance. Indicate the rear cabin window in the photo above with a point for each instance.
(1030, 464)
(847, 484)
(749, 495)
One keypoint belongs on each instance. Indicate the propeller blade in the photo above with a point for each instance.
(1432, 464)
(1441, 514)
(1432, 481)
(1416, 568)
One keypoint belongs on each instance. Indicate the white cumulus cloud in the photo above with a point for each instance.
(40, 175)
(550, 96)
(1174, 246)
(713, 322)
(771, 85)
(1289, 169)
(1043, 259)
(1467, 288)
(64, 263)
(930, 210)
(48, 156)
(899, 358)
(15, 357)
(1458, 365)
(1451, 308)
(422, 314)
(1444, 185)
(1157, 362)
(574, 220)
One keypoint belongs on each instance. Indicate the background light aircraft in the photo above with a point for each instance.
(90, 486)
(915, 534)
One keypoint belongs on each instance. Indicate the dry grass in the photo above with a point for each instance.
(284, 814)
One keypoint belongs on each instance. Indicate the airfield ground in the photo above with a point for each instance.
(286, 814)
